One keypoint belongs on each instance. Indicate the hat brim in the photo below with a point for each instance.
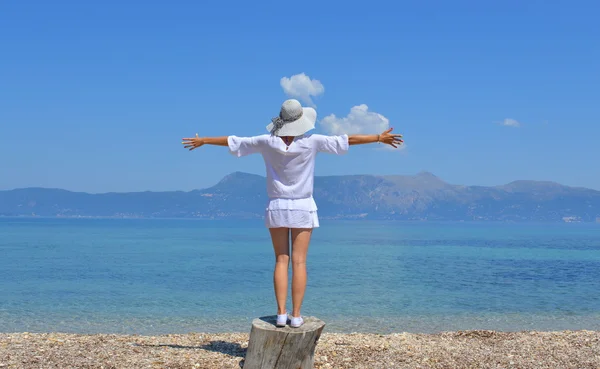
(298, 127)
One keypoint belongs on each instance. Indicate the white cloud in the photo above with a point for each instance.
(300, 86)
(510, 123)
(360, 120)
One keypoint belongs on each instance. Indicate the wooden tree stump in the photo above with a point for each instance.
(271, 347)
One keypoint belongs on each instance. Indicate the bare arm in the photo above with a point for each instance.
(386, 137)
(218, 141)
(193, 142)
(362, 139)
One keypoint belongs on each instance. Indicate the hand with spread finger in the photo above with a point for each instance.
(192, 142)
(391, 139)
(386, 137)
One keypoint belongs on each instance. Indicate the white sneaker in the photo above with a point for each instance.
(296, 322)
(282, 320)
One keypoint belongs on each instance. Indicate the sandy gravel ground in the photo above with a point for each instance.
(452, 350)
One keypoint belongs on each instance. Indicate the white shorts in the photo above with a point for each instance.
(291, 219)
(291, 213)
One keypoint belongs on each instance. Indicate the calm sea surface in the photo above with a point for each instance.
(179, 276)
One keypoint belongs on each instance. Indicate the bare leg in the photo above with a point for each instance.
(300, 241)
(281, 245)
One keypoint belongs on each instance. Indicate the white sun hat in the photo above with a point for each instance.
(293, 119)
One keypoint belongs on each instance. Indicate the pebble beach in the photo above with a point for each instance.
(460, 349)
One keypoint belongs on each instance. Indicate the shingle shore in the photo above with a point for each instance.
(461, 349)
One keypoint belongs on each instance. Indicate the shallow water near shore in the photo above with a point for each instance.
(176, 276)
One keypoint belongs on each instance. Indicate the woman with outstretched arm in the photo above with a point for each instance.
(289, 154)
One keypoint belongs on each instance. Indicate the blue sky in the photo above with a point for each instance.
(96, 96)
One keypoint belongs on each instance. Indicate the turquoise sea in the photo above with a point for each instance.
(159, 276)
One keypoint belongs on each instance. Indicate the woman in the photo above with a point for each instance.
(289, 155)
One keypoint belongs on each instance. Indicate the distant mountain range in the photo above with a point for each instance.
(240, 195)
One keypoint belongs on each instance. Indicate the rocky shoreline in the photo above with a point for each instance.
(460, 349)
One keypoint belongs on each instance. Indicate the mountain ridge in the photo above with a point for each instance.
(241, 195)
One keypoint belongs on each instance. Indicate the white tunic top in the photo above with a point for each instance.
(290, 169)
